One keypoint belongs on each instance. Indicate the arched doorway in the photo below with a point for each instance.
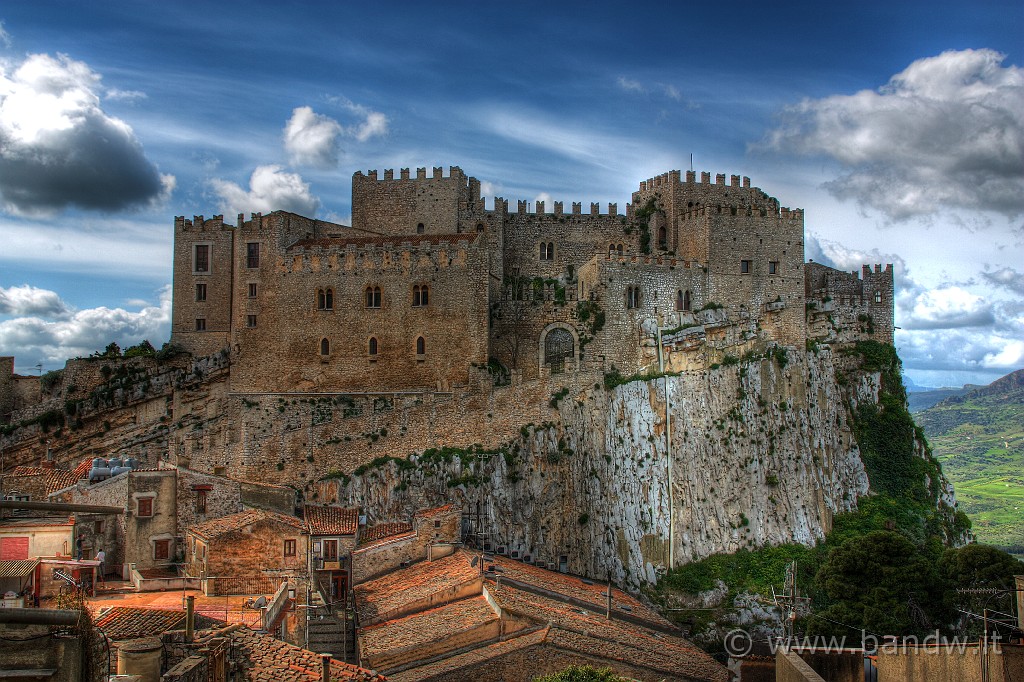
(559, 346)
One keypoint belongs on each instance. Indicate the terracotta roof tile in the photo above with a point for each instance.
(383, 531)
(425, 627)
(127, 622)
(436, 511)
(331, 520)
(611, 639)
(594, 593)
(232, 522)
(82, 470)
(275, 660)
(56, 479)
(375, 599)
(471, 658)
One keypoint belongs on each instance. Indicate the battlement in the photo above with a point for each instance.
(675, 178)
(558, 210)
(454, 172)
(198, 222)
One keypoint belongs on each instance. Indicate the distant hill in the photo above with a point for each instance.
(922, 399)
(978, 436)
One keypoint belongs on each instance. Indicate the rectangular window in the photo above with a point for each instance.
(145, 506)
(773, 267)
(289, 548)
(162, 550)
(745, 267)
(330, 550)
(252, 252)
(200, 292)
(201, 262)
(252, 289)
(200, 324)
(97, 527)
(250, 321)
(200, 501)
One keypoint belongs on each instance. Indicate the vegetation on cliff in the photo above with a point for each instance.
(891, 566)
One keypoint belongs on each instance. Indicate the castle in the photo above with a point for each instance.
(428, 288)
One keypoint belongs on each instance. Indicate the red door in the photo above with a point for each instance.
(13, 548)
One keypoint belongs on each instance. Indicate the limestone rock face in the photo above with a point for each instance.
(753, 453)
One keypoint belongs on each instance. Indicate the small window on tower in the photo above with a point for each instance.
(744, 267)
(145, 507)
(200, 501)
(201, 291)
(419, 228)
(773, 267)
(250, 321)
(421, 346)
(200, 324)
(201, 259)
(252, 259)
(252, 289)
(878, 297)
(325, 347)
(372, 297)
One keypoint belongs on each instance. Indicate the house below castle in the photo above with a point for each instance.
(428, 288)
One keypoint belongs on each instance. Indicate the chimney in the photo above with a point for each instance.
(190, 617)
(325, 661)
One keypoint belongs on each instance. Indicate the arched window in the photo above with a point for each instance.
(372, 297)
(421, 346)
(662, 237)
(547, 250)
(420, 295)
(686, 300)
(329, 299)
(419, 228)
(372, 345)
(321, 300)
(632, 297)
(611, 250)
(679, 300)
(619, 249)
(325, 347)
(479, 227)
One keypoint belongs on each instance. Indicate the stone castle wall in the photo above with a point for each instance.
(847, 306)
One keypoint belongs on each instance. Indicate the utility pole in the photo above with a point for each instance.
(789, 600)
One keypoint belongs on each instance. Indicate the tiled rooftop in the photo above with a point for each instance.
(409, 585)
(383, 531)
(56, 479)
(232, 522)
(469, 658)
(126, 622)
(17, 568)
(591, 592)
(272, 659)
(613, 639)
(436, 511)
(427, 626)
(331, 520)
(37, 521)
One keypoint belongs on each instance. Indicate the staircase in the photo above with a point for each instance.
(326, 630)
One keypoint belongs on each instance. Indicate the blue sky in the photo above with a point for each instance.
(898, 127)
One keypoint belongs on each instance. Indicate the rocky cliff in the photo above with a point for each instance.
(759, 450)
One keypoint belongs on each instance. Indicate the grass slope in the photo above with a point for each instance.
(979, 438)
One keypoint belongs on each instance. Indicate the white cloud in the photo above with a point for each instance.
(30, 300)
(60, 148)
(1006, 278)
(270, 189)
(5, 37)
(125, 95)
(373, 124)
(947, 308)
(51, 342)
(630, 85)
(312, 139)
(672, 92)
(947, 132)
